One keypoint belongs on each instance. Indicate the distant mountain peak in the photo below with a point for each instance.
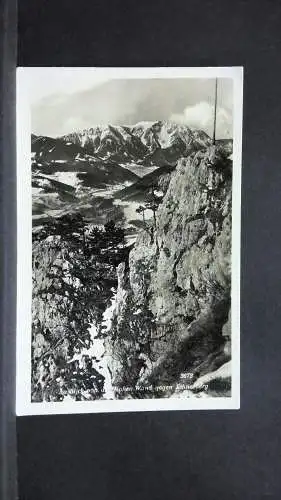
(147, 142)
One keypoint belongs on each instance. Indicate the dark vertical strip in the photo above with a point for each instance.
(8, 38)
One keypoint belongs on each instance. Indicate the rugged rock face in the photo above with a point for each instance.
(173, 301)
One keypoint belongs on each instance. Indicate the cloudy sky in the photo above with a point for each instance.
(66, 101)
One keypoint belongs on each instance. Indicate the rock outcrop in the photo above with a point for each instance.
(173, 302)
(74, 273)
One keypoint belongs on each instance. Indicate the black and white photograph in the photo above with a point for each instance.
(128, 186)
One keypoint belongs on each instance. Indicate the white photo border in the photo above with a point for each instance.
(24, 406)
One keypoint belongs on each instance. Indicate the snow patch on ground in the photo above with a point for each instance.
(223, 372)
(139, 170)
(165, 138)
(97, 350)
(69, 178)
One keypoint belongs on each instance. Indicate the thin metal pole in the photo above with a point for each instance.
(215, 112)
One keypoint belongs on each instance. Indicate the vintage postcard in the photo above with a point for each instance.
(128, 192)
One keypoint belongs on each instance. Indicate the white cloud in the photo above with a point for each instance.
(58, 82)
(72, 124)
(201, 116)
(68, 99)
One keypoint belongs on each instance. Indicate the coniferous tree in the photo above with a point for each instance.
(80, 277)
(141, 210)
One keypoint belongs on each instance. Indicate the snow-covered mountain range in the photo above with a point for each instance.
(91, 171)
(146, 143)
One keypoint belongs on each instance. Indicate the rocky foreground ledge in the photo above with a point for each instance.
(171, 324)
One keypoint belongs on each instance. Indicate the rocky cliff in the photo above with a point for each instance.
(172, 318)
(74, 273)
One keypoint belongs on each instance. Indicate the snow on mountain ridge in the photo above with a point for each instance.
(139, 142)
